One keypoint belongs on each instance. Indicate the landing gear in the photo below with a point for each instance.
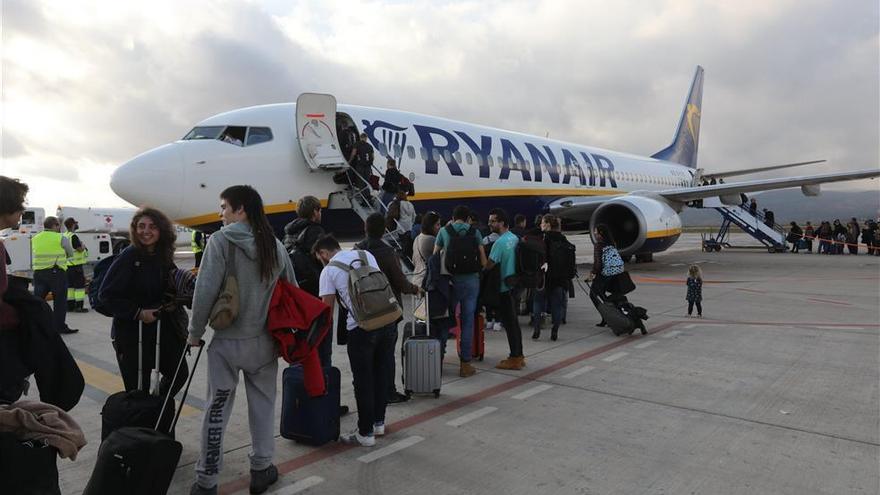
(644, 258)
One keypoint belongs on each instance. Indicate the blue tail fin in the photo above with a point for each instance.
(683, 149)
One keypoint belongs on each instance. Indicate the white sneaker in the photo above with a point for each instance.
(490, 326)
(355, 438)
(379, 429)
(499, 327)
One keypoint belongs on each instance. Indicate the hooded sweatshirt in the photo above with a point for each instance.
(254, 294)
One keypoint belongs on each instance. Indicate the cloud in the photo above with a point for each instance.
(98, 82)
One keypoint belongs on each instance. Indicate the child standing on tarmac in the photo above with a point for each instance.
(695, 290)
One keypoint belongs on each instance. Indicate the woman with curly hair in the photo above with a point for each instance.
(133, 290)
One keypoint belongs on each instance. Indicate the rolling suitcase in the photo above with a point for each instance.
(137, 407)
(27, 467)
(309, 420)
(136, 460)
(479, 338)
(618, 322)
(422, 359)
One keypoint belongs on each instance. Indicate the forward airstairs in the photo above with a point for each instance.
(773, 237)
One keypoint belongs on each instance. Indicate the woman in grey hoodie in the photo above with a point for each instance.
(245, 346)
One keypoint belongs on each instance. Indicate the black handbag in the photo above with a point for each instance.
(623, 284)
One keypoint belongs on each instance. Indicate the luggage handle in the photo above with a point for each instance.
(154, 387)
(427, 314)
(189, 380)
(155, 376)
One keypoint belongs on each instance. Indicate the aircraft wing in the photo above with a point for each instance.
(684, 194)
(732, 173)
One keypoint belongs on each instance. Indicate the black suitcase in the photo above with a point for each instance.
(310, 420)
(27, 467)
(137, 407)
(618, 322)
(135, 460)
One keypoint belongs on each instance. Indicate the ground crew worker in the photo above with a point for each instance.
(50, 251)
(76, 277)
(197, 242)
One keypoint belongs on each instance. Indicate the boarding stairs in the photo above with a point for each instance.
(773, 237)
(364, 202)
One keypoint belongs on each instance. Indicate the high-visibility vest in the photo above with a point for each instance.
(78, 258)
(47, 251)
(196, 248)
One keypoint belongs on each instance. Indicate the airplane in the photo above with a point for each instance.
(290, 150)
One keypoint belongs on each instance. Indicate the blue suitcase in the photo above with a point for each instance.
(309, 420)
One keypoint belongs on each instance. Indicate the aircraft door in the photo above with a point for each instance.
(316, 131)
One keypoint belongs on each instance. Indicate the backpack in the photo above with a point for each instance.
(373, 304)
(612, 263)
(98, 274)
(561, 260)
(304, 268)
(531, 254)
(462, 252)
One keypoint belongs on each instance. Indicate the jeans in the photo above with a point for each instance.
(465, 292)
(507, 313)
(53, 280)
(325, 350)
(555, 297)
(439, 329)
(369, 354)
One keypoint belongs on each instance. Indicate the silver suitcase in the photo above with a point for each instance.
(422, 359)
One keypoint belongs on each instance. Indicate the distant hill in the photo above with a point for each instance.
(791, 204)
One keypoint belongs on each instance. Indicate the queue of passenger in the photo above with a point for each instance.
(835, 237)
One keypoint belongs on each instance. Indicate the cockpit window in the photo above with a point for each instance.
(237, 135)
(206, 132)
(257, 135)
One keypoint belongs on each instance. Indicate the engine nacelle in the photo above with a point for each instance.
(639, 224)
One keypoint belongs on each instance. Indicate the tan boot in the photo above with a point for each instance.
(466, 370)
(512, 363)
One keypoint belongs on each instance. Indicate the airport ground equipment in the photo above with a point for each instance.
(771, 236)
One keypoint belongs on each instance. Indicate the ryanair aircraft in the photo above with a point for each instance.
(287, 151)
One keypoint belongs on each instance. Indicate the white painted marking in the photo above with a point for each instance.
(615, 356)
(671, 334)
(579, 372)
(394, 447)
(645, 344)
(842, 328)
(676, 264)
(467, 418)
(532, 391)
(692, 325)
(299, 486)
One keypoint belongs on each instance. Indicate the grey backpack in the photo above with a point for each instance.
(373, 304)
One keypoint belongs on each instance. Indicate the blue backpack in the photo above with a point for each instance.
(98, 274)
(612, 263)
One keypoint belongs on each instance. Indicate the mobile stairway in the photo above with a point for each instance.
(773, 237)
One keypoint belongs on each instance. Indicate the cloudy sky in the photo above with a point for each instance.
(89, 84)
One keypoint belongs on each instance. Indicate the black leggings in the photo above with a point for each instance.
(170, 350)
(691, 307)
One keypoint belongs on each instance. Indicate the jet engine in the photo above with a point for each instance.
(639, 224)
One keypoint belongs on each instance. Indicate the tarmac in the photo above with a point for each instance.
(775, 390)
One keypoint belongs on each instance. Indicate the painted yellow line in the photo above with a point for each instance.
(663, 233)
(110, 383)
(290, 206)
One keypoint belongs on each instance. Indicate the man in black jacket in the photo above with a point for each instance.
(389, 263)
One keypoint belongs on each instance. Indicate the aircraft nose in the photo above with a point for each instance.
(153, 178)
